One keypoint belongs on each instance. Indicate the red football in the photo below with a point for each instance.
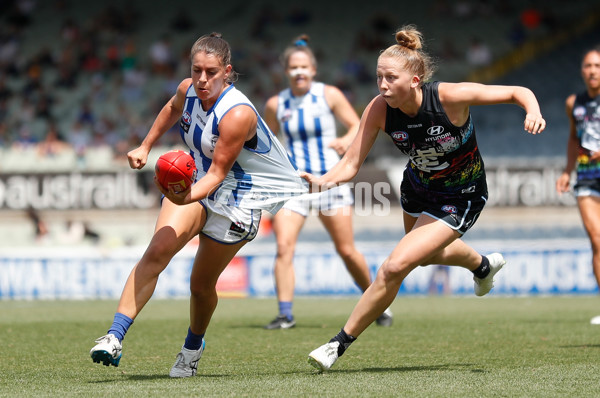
(175, 169)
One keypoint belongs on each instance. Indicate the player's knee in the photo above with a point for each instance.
(396, 269)
(285, 250)
(346, 252)
(595, 241)
(202, 291)
(156, 257)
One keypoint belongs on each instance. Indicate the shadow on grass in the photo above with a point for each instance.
(262, 326)
(428, 368)
(125, 377)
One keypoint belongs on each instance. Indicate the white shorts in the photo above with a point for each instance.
(229, 225)
(585, 191)
(335, 198)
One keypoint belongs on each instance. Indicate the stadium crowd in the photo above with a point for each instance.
(96, 77)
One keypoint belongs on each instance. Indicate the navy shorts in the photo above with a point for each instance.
(458, 212)
(587, 188)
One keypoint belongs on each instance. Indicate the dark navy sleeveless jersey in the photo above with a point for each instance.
(443, 158)
(586, 113)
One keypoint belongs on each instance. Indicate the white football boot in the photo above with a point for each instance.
(484, 285)
(107, 350)
(386, 319)
(325, 356)
(186, 362)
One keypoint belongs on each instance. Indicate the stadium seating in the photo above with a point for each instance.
(260, 31)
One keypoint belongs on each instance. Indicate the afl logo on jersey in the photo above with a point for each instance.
(185, 122)
(579, 112)
(449, 209)
(287, 115)
(399, 136)
(435, 130)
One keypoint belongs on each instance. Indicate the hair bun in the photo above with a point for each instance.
(409, 37)
(302, 41)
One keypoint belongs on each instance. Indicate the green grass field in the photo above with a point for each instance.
(437, 347)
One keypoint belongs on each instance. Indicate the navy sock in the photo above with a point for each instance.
(193, 341)
(285, 308)
(344, 339)
(120, 325)
(484, 268)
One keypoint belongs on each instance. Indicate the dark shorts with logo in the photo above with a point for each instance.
(459, 212)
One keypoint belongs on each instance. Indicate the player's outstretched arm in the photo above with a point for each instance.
(373, 119)
(165, 119)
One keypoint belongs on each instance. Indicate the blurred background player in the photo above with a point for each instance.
(444, 186)
(306, 114)
(238, 160)
(583, 154)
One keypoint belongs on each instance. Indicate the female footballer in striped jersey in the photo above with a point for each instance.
(242, 170)
(304, 115)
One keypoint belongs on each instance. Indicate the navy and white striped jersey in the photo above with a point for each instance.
(262, 177)
(308, 126)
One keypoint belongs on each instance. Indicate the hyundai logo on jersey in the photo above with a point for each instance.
(435, 130)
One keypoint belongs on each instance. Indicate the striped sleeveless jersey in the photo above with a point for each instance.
(308, 126)
(262, 177)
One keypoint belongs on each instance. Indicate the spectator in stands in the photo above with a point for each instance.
(10, 46)
(5, 138)
(478, 53)
(444, 186)
(182, 22)
(5, 92)
(24, 139)
(85, 114)
(43, 106)
(133, 83)
(306, 114)
(531, 18)
(79, 137)
(53, 143)
(77, 231)
(130, 57)
(161, 55)
(583, 154)
(39, 225)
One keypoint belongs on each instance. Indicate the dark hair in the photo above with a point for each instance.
(299, 44)
(409, 49)
(219, 47)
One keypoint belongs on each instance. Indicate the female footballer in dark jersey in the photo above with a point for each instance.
(583, 154)
(443, 190)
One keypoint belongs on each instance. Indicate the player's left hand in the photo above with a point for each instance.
(179, 198)
(534, 124)
(315, 184)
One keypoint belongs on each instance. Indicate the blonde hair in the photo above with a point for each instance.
(215, 44)
(595, 49)
(409, 50)
(299, 44)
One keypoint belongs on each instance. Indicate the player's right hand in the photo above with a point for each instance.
(137, 158)
(563, 183)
